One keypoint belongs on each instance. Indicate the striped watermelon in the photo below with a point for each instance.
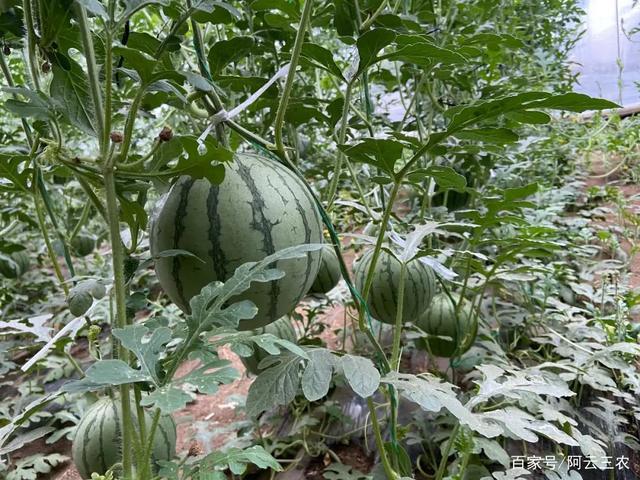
(96, 444)
(329, 273)
(440, 320)
(15, 264)
(419, 287)
(281, 328)
(83, 244)
(260, 207)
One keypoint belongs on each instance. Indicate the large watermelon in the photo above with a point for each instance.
(281, 328)
(329, 273)
(260, 208)
(97, 440)
(419, 287)
(440, 320)
(15, 264)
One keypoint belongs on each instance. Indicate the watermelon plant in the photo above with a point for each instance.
(236, 156)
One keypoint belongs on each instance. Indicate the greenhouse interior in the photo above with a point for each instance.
(320, 239)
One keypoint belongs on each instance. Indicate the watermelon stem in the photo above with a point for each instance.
(113, 215)
(291, 75)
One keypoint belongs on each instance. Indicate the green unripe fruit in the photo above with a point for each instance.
(419, 287)
(281, 328)
(97, 440)
(440, 320)
(83, 245)
(14, 265)
(329, 273)
(260, 208)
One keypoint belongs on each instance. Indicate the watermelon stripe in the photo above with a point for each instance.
(215, 228)
(180, 215)
(263, 225)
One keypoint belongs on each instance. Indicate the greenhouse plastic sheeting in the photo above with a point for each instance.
(596, 54)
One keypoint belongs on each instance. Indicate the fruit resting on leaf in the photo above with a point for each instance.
(440, 320)
(260, 208)
(83, 244)
(96, 444)
(15, 264)
(419, 287)
(281, 328)
(329, 273)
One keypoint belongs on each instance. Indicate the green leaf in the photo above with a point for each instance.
(276, 385)
(237, 460)
(420, 51)
(532, 117)
(573, 102)
(316, 378)
(369, 44)
(321, 58)
(168, 399)
(114, 372)
(147, 351)
(143, 63)
(445, 177)
(489, 135)
(70, 94)
(17, 170)
(379, 152)
(201, 163)
(518, 193)
(285, 6)
(133, 6)
(224, 52)
(94, 7)
(212, 373)
(198, 81)
(362, 375)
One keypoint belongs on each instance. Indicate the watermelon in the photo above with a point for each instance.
(96, 444)
(440, 321)
(259, 208)
(329, 273)
(83, 244)
(15, 264)
(419, 287)
(282, 328)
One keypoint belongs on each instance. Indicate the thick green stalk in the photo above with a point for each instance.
(121, 310)
(129, 124)
(113, 216)
(445, 455)
(288, 85)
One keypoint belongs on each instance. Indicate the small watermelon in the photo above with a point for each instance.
(440, 320)
(329, 273)
(14, 265)
(282, 328)
(96, 444)
(260, 207)
(419, 287)
(83, 244)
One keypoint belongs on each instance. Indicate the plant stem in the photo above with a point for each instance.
(128, 127)
(288, 86)
(31, 43)
(113, 217)
(342, 135)
(445, 455)
(369, 21)
(121, 310)
(92, 71)
(388, 470)
(397, 332)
